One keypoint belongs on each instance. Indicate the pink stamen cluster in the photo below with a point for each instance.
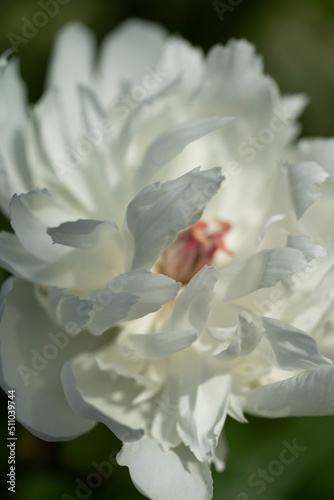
(193, 249)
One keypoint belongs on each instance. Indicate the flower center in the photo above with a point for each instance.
(194, 248)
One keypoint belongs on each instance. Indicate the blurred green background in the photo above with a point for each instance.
(296, 39)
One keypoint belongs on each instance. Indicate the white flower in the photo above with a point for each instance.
(189, 365)
(116, 217)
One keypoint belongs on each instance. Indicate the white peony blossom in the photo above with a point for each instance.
(142, 270)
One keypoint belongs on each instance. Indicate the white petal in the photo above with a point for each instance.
(290, 348)
(97, 313)
(171, 142)
(308, 249)
(31, 213)
(235, 84)
(33, 350)
(14, 172)
(100, 239)
(220, 454)
(104, 386)
(71, 65)
(291, 106)
(261, 270)
(72, 57)
(160, 345)
(110, 359)
(179, 57)
(4, 57)
(127, 297)
(266, 226)
(79, 176)
(160, 211)
(63, 273)
(304, 177)
(308, 312)
(310, 393)
(127, 52)
(215, 338)
(94, 241)
(152, 290)
(316, 222)
(221, 334)
(47, 137)
(91, 398)
(17, 260)
(237, 72)
(320, 150)
(166, 475)
(6, 287)
(236, 405)
(192, 307)
(59, 265)
(166, 414)
(92, 111)
(70, 309)
(108, 309)
(295, 104)
(80, 233)
(249, 333)
(132, 132)
(204, 390)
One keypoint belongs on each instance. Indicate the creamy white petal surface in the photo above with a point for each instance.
(310, 393)
(303, 177)
(179, 475)
(32, 353)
